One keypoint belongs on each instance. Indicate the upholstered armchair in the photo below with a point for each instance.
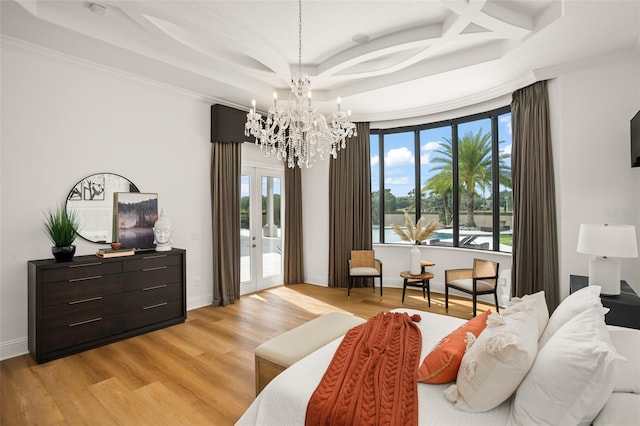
(481, 279)
(363, 264)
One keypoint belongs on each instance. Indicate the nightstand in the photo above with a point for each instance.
(624, 308)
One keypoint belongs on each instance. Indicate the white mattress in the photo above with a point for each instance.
(284, 400)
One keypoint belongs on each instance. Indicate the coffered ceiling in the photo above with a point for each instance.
(387, 59)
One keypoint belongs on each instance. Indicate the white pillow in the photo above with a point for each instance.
(494, 365)
(621, 409)
(538, 304)
(574, 304)
(572, 376)
(627, 344)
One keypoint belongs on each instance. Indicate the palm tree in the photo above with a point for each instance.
(474, 168)
(442, 184)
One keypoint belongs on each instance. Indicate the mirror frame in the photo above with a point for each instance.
(98, 188)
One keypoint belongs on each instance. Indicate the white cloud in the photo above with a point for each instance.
(507, 149)
(507, 120)
(430, 146)
(401, 180)
(375, 160)
(398, 157)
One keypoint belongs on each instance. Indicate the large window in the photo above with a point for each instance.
(457, 173)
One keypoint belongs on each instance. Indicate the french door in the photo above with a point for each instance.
(261, 220)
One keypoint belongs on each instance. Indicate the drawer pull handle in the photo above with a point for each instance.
(75, 324)
(95, 277)
(91, 299)
(157, 256)
(155, 287)
(85, 264)
(154, 269)
(154, 306)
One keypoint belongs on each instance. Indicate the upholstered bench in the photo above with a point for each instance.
(275, 355)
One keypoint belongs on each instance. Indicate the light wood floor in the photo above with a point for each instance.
(200, 372)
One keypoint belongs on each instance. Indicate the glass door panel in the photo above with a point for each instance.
(260, 229)
(271, 227)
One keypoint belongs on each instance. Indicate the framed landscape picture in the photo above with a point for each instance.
(135, 213)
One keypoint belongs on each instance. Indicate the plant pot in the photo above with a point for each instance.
(414, 260)
(63, 254)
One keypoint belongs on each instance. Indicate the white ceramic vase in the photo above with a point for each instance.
(414, 265)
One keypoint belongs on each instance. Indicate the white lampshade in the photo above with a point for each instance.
(604, 243)
(608, 240)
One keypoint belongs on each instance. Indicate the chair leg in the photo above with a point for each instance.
(349, 288)
(380, 285)
(404, 288)
(475, 299)
(446, 297)
(495, 295)
(373, 284)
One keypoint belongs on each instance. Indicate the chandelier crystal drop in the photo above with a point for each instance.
(297, 132)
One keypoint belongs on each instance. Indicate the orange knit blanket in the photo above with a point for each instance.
(371, 379)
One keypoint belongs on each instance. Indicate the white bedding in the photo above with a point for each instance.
(284, 400)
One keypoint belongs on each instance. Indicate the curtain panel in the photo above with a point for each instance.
(349, 205)
(535, 243)
(225, 220)
(293, 248)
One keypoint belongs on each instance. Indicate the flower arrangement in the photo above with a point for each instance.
(416, 234)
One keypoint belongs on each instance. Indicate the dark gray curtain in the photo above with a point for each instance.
(293, 256)
(535, 244)
(225, 219)
(349, 205)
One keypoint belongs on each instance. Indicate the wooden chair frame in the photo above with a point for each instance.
(364, 258)
(483, 270)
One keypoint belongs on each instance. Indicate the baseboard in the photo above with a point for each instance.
(199, 301)
(14, 348)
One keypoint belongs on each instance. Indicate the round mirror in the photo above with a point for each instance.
(92, 200)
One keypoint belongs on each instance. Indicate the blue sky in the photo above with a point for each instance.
(399, 155)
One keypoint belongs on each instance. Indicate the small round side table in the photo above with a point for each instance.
(421, 281)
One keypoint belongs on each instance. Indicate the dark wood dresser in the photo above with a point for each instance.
(90, 301)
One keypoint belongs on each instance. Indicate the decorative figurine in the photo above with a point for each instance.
(162, 232)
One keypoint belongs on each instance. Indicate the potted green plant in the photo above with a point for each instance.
(60, 226)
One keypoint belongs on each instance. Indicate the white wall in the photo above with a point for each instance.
(61, 121)
(590, 113)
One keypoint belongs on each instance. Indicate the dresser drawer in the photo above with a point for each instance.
(80, 310)
(94, 327)
(153, 313)
(151, 261)
(81, 271)
(152, 295)
(54, 293)
(150, 277)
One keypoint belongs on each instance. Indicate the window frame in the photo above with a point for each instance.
(494, 116)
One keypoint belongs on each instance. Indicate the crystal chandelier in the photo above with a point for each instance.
(297, 132)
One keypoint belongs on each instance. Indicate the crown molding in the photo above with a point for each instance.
(44, 53)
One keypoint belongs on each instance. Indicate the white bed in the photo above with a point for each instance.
(284, 400)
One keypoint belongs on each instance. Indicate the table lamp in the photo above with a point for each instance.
(605, 242)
